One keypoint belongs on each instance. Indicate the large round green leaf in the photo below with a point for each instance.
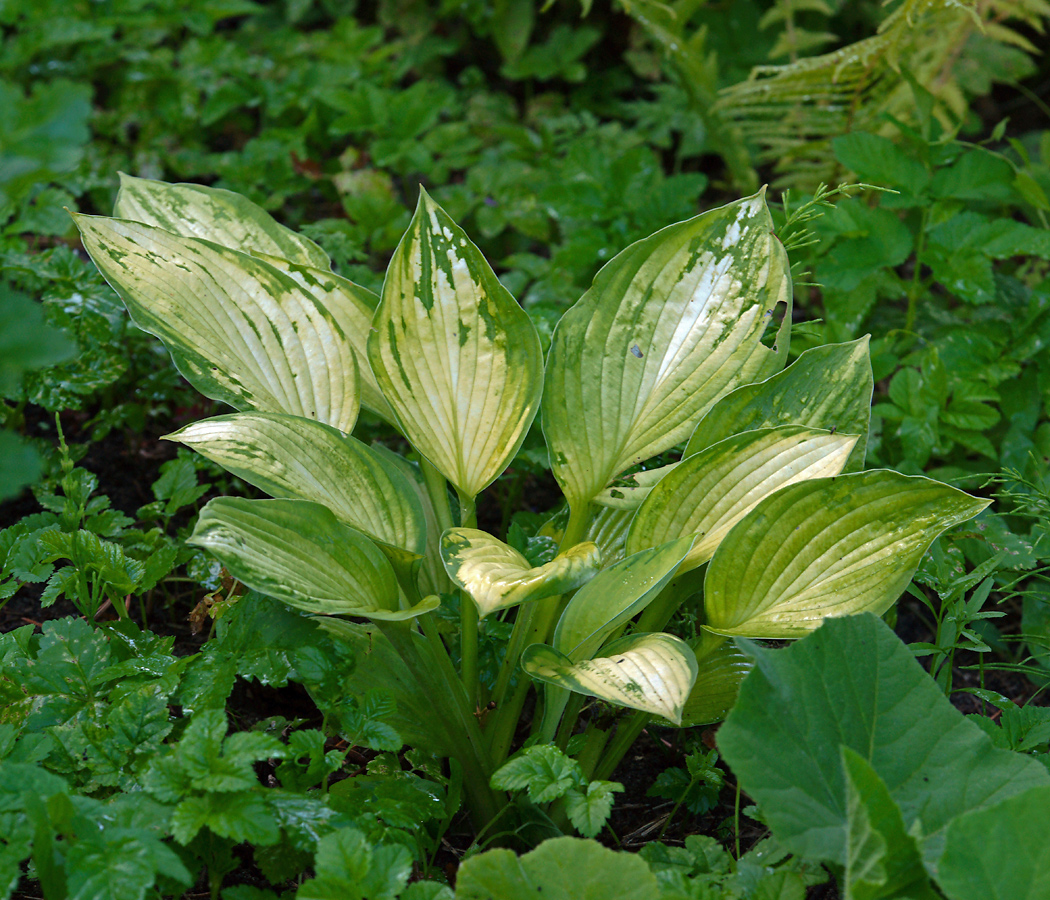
(299, 553)
(213, 214)
(826, 387)
(455, 356)
(707, 494)
(238, 329)
(302, 459)
(497, 576)
(650, 672)
(670, 324)
(827, 547)
(615, 595)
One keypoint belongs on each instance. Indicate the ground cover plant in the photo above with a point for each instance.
(179, 711)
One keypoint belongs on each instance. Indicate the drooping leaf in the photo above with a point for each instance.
(302, 459)
(615, 595)
(882, 860)
(456, 357)
(1001, 852)
(222, 217)
(707, 494)
(563, 868)
(827, 387)
(827, 547)
(650, 672)
(497, 576)
(721, 668)
(854, 683)
(238, 329)
(299, 553)
(670, 325)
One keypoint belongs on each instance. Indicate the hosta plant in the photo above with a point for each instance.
(766, 526)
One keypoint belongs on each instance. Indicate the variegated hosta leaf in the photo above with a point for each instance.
(707, 494)
(456, 357)
(827, 547)
(615, 595)
(301, 459)
(826, 387)
(299, 553)
(497, 576)
(721, 667)
(608, 529)
(670, 325)
(222, 217)
(433, 579)
(352, 308)
(238, 329)
(633, 490)
(650, 672)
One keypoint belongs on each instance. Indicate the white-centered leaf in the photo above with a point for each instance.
(653, 673)
(216, 215)
(237, 328)
(302, 459)
(827, 547)
(299, 553)
(707, 494)
(352, 308)
(615, 595)
(497, 576)
(671, 324)
(456, 357)
(826, 387)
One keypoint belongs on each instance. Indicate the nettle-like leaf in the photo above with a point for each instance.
(614, 596)
(239, 330)
(497, 576)
(213, 214)
(455, 355)
(653, 673)
(827, 387)
(707, 494)
(827, 547)
(299, 553)
(302, 459)
(670, 324)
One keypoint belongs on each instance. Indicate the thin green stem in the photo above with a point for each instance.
(468, 616)
(736, 821)
(532, 628)
(437, 489)
(593, 745)
(626, 734)
(568, 720)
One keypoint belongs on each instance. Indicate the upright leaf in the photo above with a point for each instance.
(653, 673)
(827, 547)
(352, 307)
(854, 683)
(707, 494)
(456, 357)
(721, 666)
(497, 576)
(213, 214)
(615, 595)
(298, 552)
(826, 387)
(670, 325)
(301, 459)
(238, 329)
